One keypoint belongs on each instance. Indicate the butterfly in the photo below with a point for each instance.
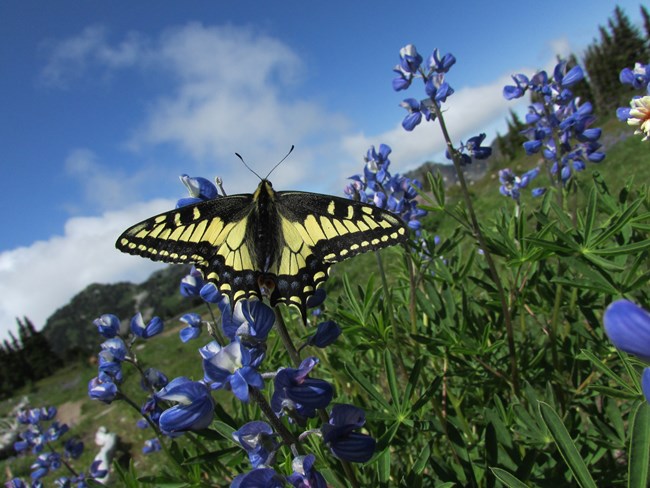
(275, 244)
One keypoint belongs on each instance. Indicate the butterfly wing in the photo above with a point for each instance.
(213, 235)
(320, 230)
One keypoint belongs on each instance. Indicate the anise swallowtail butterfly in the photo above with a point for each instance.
(275, 244)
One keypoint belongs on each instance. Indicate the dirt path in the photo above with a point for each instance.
(70, 412)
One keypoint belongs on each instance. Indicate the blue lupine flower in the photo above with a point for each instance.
(511, 92)
(410, 59)
(254, 321)
(193, 329)
(95, 470)
(557, 115)
(339, 434)
(108, 325)
(104, 391)
(56, 430)
(259, 478)
(259, 441)
(628, 327)
(438, 64)
(150, 446)
(73, 448)
(395, 193)
(116, 348)
(415, 111)
(211, 294)
(638, 77)
(44, 464)
(192, 283)
(297, 395)
(304, 475)
(231, 368)
(511, 184)
(472, 149)
(15, 483)
(408, 66)
(153, 378)
(194, 409)
(154, 327)
(326, 334)
(199, 187)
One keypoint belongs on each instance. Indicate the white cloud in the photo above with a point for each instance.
(234, 93)
(102, 186)
(38, 279)
(72, 57)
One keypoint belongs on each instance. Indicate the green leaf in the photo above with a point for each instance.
(606, 370)
(590, 215)
(632, 248)
(566, 446)
(224, 429)
(422, 461)
(639, 455)
(392, 380)
(383, 466)
(507, 479)
(357, 376)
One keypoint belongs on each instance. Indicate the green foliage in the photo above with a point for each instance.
(620, 46)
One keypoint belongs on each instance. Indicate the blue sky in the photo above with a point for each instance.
(104, 104)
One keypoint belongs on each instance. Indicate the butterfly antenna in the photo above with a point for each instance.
(280, 162)
(248, 167)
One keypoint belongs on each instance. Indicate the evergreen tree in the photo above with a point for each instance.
(646, 27)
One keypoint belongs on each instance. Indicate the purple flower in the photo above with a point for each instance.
(304, 475)
(193, 329)
(154, 327)
(438, 64)
(104, 391)
(259, 441)
(259, 478)
(517, 90)
(108, 325)
(73, 448)
(231, 368)
(628, 327)
(192, 283)
(415, 110)
(194, 409)
(326, 334)
(150, 446)
(339, 434)
(298, 395)
(199, 187)
(153, 378)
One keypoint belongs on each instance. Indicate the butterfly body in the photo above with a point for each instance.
(275, 244)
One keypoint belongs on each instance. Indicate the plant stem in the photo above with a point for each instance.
(478, 235)
(286, 338)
